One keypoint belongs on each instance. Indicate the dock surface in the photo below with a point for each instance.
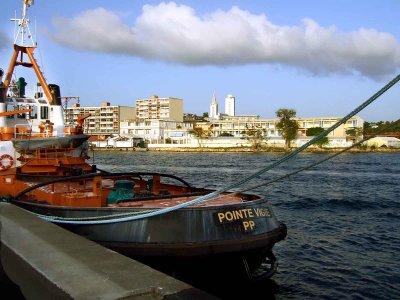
(48, 262)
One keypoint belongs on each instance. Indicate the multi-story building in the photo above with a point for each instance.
(160, 108)
(236, 127)
(230, 105)
(103, 120)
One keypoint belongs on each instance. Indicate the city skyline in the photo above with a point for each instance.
(319, 58)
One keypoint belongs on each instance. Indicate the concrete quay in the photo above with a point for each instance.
(47, 262)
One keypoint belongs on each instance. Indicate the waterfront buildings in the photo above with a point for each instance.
(159, 108)
(235, 131)
(159, 121)
(237, 126)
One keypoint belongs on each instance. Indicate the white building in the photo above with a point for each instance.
(384, 141)
(213, 108)
(157, 131)
(230, 105)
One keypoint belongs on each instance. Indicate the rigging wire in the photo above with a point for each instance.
(320, 161)
(246, 179)
(385, 128)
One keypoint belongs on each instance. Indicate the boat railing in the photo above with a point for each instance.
(22, 130)
(47, 153)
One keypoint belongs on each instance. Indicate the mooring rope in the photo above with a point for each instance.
(105, 217)
(244, 180)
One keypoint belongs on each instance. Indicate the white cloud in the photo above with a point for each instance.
(174, 33)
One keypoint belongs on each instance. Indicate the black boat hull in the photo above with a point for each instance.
(221, 235)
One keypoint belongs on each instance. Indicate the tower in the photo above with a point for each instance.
(230, 105)
(214, 108)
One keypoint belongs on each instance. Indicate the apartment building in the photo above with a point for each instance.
(103, 120)
(160, 108)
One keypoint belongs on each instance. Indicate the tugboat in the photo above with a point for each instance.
(153, 217)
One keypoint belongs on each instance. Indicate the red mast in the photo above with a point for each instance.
(20, 49)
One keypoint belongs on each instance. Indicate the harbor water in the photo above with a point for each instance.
(343, 218)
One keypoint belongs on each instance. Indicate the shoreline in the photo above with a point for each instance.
(245, 150)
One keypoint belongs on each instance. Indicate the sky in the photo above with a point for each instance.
(320, 58)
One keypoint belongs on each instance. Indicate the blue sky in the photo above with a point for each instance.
(321, 58)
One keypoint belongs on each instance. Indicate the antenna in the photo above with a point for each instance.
(23, 25)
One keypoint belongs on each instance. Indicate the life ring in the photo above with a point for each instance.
(6, 161)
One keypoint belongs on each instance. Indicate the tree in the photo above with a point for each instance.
(354, 134)
(315, 131)
(255, 136)
(200, 134)
(382, 127)
(287, 124)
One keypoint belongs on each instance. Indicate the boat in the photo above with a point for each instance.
(157, 218)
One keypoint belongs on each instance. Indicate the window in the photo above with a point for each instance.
(10, 107)
(33, 113)
(21, 115)
(44, 112)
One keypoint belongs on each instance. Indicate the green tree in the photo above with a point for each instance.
(383, 127)
(354, 134)
(287, 124)
(315, 131)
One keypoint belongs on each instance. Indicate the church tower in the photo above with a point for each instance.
(214, 108)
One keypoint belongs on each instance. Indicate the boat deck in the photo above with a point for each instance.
(218, 200)
(83, 191)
